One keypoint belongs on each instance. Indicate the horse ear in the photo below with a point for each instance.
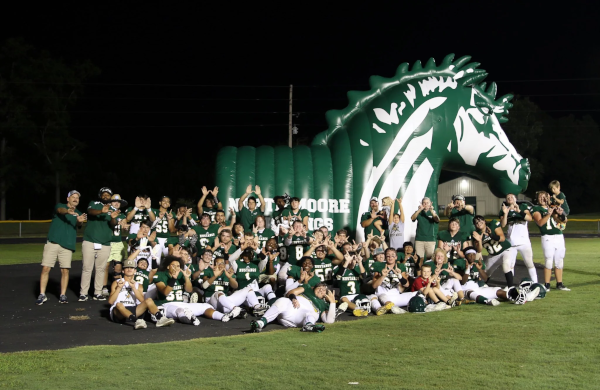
(492, 90)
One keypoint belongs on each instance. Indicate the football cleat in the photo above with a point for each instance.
(397, 310)
(164, 321)
(41, 299)
(492, 302)
(243, 314)
(193, 297)
(385, 308)
(140, 324)
(562, 287)
(341, 309)
(256, 326)
(188, 317)
(452, 300)
(309, 327)
(360, 313)
(232, 314)
(521, 298)
(532, 294)
(260, 309)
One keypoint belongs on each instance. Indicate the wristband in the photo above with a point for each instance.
(171, 282)
(403, 281)
(292, 297)
(216, 199)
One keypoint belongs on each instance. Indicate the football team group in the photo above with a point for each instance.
(179, 265)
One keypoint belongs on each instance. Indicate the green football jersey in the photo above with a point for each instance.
(425, 226)
(391, 280)
(162, 226)
(247, 217)
(550, 228)
(515, 216)
(465, 219)
(176, 294)
(368, 264)
(371, 228)
(185, 242)
(117, 232)
(409, 263)
(63, 229)
(206, 237)
(211, 211)
(324, 269)
(278, 214)
(295, 216)
(459, 238)
(246, 273)
(319, 305)
(97, 229)
(348, 282)
(296, 272)
(296, 249)
(142, 277)
(493, 247)
(197, 281)
(139, 216)
(220, 251)
(220, 284)
(264, 236)
(461, 267)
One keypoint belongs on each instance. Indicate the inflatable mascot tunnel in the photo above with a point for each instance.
(393, 140)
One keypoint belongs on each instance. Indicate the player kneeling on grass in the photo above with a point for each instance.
(390, 283)
(348, 277)
(171, 282)
(477, 291)
(428, 284)
(128, 302)
(302, 308)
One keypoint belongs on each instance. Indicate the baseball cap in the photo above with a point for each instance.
(71, 193)
(117, 198)
(378, 251)
(129, 263)
(458, 197)
(374, 199)
(103, 190)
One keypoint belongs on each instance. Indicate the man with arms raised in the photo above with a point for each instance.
(61, 244)
(209, 204)
(516, 217)
(464, 213)
(248, 214)
(140, 213)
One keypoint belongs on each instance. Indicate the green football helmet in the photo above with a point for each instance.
(416, 304)
(526, 285)
(543, 291)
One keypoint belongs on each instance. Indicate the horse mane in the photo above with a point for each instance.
(461, 69)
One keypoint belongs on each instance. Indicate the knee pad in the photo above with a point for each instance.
(559, 263)
(548, 263)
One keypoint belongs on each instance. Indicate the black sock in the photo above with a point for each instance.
(481, 299)
(509, 278)
(158, 315)
(132, 318)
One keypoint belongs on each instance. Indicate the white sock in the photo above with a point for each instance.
(533, 274)
(217, 315)
(226, 303)
(251, 299)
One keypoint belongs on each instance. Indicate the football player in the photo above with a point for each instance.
(448, 277)
(164, 224)
(209, 205)
(453, 240)
(261, 231)
(547, 219)
(303, 307)
(491, 237)
(207, 232)
(216, 283)
(295, 213)
(223, 245)
(390, 283)
(302, 273)
(324, 262)
(247, 273)
(117, 248)
(140, 213)
(248, 214)
(295, 242)
(458, 209)
(348, 277)
(516, 217)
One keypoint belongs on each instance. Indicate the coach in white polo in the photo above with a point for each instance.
(61, 244)
(96, 243)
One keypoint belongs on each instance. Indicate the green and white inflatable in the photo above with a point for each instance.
(393, 140)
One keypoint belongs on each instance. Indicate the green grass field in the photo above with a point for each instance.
(547, 344)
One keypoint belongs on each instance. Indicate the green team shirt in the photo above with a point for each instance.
(197, 282)
(550, 228)
(368, 264)
(349, 281)
(295, 272)
(142, 277)
(177, 241)
(565, 205)
(295, 216)
(409, 263)
(425, 226)
(324, 269)
(220, 251)
(514, 216)
(264, 271)
(220, 284)
(264, 236)
(246, 273)
(162, 226)
(371, 228)
(391, 280)
(176, 295)
(97, 230)
(465, 219)
(248, 217)
(296, 249)
(277, 215)
(493, 247)
(461, 268)
(206, 237)
(211, 211)
(139, 216)
(319, 305)
(63, 228)
(459, 238)
(117, 232)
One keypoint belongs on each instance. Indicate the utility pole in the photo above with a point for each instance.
(290, 118)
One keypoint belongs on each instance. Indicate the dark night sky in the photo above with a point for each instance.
(212, 77)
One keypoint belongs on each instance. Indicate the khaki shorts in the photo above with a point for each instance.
(116, 252)
(53, 252)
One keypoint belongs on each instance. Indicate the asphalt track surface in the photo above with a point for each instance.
(24, 326)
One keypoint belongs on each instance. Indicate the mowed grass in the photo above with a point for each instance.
(27, 253)
(546, 344)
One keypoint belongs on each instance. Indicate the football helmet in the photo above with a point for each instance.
(416, 304)
(543, 290)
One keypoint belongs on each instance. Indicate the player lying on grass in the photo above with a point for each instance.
(391, 284)
(302, 308)
(348, 277)
(128, 302)
(171, 282)
(476, 290)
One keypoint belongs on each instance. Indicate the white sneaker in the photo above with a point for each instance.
(259, 310)
(164, 321)
(189, 318)
(441, 306)
(397, 310)
(232, 314)
(341, 309)
(140, 324)
(533, 294)
(493, 302)
(453, 299)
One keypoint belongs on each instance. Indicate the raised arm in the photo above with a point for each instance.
(201, 201)
(243, 197)
(260, 197)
